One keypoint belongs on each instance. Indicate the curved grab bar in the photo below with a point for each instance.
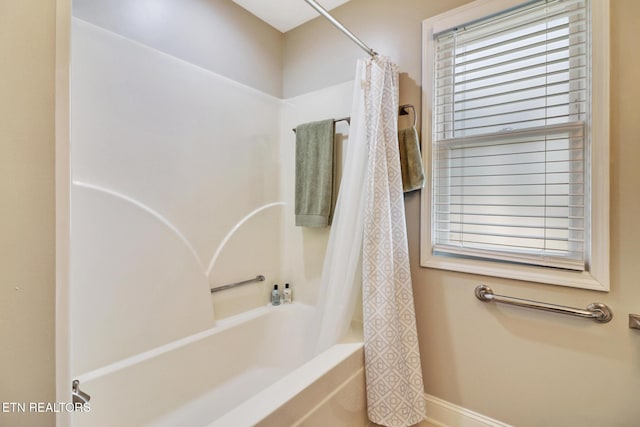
(596, 311)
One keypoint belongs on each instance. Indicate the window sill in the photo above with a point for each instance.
(573, 279)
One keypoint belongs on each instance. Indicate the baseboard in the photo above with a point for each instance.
(446, 414)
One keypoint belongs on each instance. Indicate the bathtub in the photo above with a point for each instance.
(251, 369)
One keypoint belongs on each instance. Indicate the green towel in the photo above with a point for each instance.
(410, 160)
(314, 173)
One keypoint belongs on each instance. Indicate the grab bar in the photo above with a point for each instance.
(596, 311)
(78, 396)
(258, 278)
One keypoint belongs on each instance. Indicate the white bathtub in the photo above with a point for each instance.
(236, 374)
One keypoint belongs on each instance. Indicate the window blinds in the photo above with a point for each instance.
(510, 142)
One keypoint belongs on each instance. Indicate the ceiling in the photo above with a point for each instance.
(285, 15)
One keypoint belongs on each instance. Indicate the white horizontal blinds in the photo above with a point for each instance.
(509, 137)
(524, 69)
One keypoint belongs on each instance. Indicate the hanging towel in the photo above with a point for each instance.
(410, 160)
(314, 173)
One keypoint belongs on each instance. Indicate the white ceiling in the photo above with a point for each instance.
(285, 14)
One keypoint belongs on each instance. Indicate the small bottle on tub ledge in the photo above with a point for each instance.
(287, 295)
(275, 296)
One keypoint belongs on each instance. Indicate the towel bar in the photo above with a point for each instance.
(596, 311)
(344, 119)
(403, 111)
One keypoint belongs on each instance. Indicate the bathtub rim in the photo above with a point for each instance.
(219, 326)
(269, 400)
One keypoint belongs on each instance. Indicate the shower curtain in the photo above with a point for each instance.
(368, 250)
(395, 391)
(341, 278)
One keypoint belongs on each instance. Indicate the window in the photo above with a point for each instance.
(519, 141)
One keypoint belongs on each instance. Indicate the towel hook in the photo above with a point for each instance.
(404, 110)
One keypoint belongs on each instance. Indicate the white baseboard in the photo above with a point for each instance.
(446, 414)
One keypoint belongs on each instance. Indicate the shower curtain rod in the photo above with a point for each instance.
(322, 11)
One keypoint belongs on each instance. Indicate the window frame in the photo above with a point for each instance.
(596, 275)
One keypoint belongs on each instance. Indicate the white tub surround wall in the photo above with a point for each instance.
(217, 35)
(180, 182)
(175, 189)
(184, 180)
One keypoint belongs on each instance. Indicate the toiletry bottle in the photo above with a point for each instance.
(275, 295)
(286, 293)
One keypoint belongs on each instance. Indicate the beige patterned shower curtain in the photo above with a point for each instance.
(395, 391)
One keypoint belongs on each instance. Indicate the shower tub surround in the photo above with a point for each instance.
(173, 194)
(263, 377)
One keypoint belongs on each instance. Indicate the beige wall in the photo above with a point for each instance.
(522, 367)
(215, 34)
(317, 55)
(27, 62)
